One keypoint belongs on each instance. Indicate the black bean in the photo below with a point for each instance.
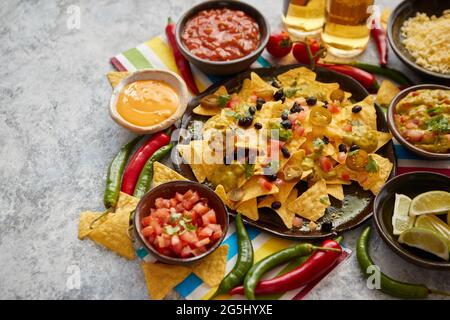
(276, 205)
(296, 108)
(342, 148)
(275, 83)
(257, 125)
(271, 177)
(356, 109)
(251, 110)
(354, 147)
(325, 106)
(311, 101)
(245, 121)
(285, 152)
(287, 124)
(278, 95)
(284, 116)
(327, 226)
(259, 103)
(325, 140)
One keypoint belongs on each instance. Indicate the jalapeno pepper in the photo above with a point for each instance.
(259, 269)
(388, 285)
(243, 263)
(146, 176)
(114, 175)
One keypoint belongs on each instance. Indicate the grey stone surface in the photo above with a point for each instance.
(56, 140)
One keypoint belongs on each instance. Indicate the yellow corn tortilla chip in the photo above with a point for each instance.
(386, 93)
(285, 214)
(253, 189)
(298, 75)
(336, 190)
(163, 174)
(312, 203)
(220, 191)
(383, 138)
(86, 218)
(285, 189)
(126, 203)
(211, 269)
(249, 209)
(115, 77)
(202, 111)
(385, 168)
(246, 90)
(162, 278)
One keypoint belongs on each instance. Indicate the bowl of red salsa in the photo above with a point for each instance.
(222, 37)
(180, 222)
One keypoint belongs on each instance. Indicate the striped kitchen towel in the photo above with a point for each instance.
(156, 53)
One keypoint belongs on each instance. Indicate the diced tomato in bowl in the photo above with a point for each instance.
(181, 225)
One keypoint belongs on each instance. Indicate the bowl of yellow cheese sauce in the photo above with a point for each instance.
(148, 101)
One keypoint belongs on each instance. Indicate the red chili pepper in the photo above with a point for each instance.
(316, 265)
(367, 79)
(379, 35)
(181, 62)
(140, 157)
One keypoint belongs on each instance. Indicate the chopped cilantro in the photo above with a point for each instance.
(371, 166)
(223, 100)
(438, 124)
(171, 230)
(174, 217)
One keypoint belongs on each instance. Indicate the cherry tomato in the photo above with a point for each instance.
(357, 160)
(279, 45)
(300, 53)
(319, 116)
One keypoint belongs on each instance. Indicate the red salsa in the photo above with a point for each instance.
(182, 226)
(221, 34)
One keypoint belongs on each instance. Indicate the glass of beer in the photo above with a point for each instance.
(304, 17)
(346, 31)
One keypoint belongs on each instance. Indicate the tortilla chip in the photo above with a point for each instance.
(383, 138)
(249, 209)
(162, 278)
(163, 174)
(86, 218)
(202, 111)
(211, 269)
(285, 214)
(246, 90)
(126, 203)
(253, 189)
(385, 168)
(312, 203)
(386, 93)
(336, 191)
(298, 75)
(115, 77)
(220, 191)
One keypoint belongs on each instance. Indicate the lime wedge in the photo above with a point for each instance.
(401, 220)
(433, 223)
(435, 202)
(426, 240)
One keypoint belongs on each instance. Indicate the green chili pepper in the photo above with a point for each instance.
(146, 175)
(259, 269)
(114, 175)
(243, 263)
(388, 285)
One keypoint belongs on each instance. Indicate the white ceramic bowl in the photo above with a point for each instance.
(169, 77)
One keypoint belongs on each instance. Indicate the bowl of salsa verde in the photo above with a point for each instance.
(419, 119)
(222, 37)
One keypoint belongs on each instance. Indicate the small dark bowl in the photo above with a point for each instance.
(396, 133)
(404, 11)
(410, 184)
(167, 190)
(224, 67)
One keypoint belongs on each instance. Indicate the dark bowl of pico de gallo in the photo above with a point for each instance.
(180, 222)
(222, 37)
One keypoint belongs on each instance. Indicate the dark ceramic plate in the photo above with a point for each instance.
(357, 204)
(404, 11)
(410, 184)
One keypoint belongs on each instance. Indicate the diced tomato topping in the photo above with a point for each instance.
(333, 108)
(202, 243)
(341, 157)
(414, 135)
(348, 128)
(216, 235)
(234, 101)
(186, 252)
(200, 208)
(173, 202)
(176, 244)
(253, 97)
(297, 222)
(345, 176)
(163, 214)
(325, 164)
(146, 221)
(179, 197)
(198, 251)
(205, 232)
(162, 203)
(298, 130)
(265, 184)
(189, 237)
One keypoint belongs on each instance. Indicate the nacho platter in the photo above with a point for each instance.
(354, 204)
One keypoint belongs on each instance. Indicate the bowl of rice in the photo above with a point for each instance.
(419, 34)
